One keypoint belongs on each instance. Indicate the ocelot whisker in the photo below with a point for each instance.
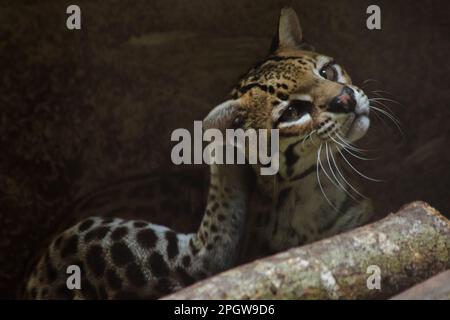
(382, 104)
(382, 91)
(350, 146)
(392, 118)
(367, 81)
(353, 147)
(326, 173)
(318, 179)
(311, 136)
(389, 112)
(356, 170)
(381, 98)
(342, 176)
(349, 152)
(390, 98)
(275, 194)
(307, 136)
(380, 118)
(335, 177)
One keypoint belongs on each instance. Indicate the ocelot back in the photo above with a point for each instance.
(319, 114)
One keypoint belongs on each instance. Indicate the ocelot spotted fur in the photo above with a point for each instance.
(318, 111)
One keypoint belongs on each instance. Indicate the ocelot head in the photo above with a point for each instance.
(308, 96)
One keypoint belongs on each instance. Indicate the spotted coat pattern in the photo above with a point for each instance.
(135, 259)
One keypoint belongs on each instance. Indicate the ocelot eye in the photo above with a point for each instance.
(291, 113)
(328, 72)
(296, 110)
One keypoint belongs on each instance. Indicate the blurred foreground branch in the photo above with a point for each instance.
(407, 247)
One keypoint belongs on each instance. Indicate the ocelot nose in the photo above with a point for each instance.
(344, 102)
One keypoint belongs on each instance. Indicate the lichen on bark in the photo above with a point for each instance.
(407, 247)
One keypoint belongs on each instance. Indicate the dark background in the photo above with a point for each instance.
(80, 109)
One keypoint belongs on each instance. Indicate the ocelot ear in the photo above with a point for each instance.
(289, 35)
(227, 115)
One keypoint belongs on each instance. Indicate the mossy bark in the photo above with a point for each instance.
(408, 247)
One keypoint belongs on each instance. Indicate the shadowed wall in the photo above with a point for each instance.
(80, 109)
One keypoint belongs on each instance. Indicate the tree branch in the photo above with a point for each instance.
(408, 247)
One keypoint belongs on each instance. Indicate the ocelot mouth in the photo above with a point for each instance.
(357, 127)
